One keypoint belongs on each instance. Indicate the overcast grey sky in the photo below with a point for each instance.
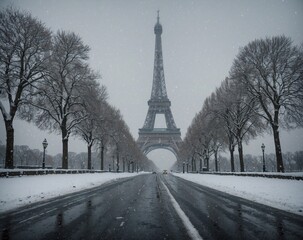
(200, 40)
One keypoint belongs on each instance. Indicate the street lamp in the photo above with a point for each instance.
(183, 167)
(109, 167)
(263, 149)
(44, 144)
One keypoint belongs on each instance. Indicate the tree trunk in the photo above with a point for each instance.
(192, 164)
(232, 161)
(9, 157)
(89, 156)
(65, 153)
(207, 162)
(240, 150)
(280, 166)
(102, 156)
(64, 133)
(216, 160)
(118, 162)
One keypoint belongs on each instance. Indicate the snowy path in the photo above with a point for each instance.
(279, 193)
(20, 191)
(149, 206)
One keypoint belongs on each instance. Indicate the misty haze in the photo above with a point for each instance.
(151, 119)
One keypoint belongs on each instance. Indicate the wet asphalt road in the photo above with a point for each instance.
(140, 208)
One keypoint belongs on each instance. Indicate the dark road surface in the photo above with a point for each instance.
(141, 208)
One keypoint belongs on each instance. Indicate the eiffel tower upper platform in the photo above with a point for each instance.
(151, 138)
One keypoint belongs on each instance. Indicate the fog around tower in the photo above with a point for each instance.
(200, 39)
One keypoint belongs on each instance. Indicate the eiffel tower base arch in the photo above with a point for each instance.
(159, 139)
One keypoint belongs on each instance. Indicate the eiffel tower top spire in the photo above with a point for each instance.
(158, 26)
(158, 88)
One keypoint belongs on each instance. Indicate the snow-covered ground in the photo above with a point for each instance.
(19, 191)
(280, 193)
(283, 194)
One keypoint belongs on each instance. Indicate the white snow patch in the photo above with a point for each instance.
(20, 191)
(283, 194)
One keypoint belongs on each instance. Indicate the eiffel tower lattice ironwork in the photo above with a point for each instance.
(151, 138)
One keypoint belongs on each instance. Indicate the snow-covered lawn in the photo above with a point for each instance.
(19, 191)
(279, 193)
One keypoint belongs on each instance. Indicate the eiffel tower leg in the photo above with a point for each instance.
(150, 119)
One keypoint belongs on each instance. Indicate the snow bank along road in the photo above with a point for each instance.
(283, 194)
(150, 206)
(20, 191)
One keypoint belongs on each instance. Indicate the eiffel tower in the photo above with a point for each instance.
(151, 138)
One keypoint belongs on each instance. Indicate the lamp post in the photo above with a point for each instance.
(263, 149)
(183, 167)
(44, 144)
(109, 167)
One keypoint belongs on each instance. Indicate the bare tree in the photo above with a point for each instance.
(105, 128)
(215, 127)
(118, 134)
(242, 113)
(237, 110)
(24, 44)
(219, 105)
(58, 100)
(201, 138)
(227, 118)
(187, 150)
(192, 144)
(113, 132)
(272, 71)
(94, 98)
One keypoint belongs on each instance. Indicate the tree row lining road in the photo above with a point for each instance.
(141, 208)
